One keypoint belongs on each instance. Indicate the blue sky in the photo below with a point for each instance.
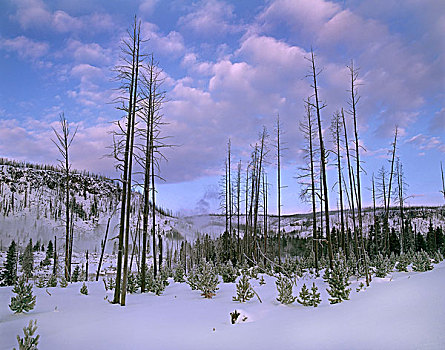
(230, 67)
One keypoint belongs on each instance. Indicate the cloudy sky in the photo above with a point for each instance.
(230, 67)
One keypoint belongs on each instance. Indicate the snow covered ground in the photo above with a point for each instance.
(402, 311)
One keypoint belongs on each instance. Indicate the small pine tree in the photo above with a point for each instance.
(132, 285)
(41, 282)
(24, 301)
(244, 290)
(228, 273)
(52, 281)
(63, 282)
(304, 297)
(422, 262)
(315, 296)
(76, 274)
(179, 274)
(284, 287)
(29, 342)
(84, 289)
(338, 282)
(8, 276)
(381, 265)
(191, 279)
(207, 280)
(28, 260)
(262, 281)
(403, 262)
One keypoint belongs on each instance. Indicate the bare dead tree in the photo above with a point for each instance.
(128, 74)
(351, 185)
(336, 127)
(443, 181)
(354, 99)
(318, 106)
(309, 189)
(63, 141)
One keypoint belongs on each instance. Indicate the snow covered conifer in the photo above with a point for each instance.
(132, 283)
(8, 276)
(315, 296)
(76, 274)
(422, 262)
(382, 264)
(28, 260)
(63, 282)
(304, 297)
(29, 342)
(403, 262)
(24, 301)
(179, 274)
(207, 280)
(284, 287)
(52, 281)
(84, 289)
(338, 282)
(244, 290)
(228, 272)
(41, 282)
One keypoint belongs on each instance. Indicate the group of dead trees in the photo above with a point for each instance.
(137, 150)
(245, 202)
(313, 175)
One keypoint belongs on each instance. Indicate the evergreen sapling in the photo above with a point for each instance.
(29, 342)
(8, 276)
(24, 301)
(338, 282)
(244, 290)
(284, 287)
(84, 289)
(315, 296)
(304, 297)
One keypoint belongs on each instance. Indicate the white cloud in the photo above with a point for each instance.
(91, 53)
(210, 18)
(25, 47)
(170, 44)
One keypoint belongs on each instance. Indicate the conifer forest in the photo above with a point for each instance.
(222, 175)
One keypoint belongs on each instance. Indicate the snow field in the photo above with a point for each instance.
(403, 311)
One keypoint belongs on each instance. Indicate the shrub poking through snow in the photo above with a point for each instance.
(284, 287)
(262, 281)
(228, 273)
(207, 280)
(244, 290)
(24, 301)
(315, 296)
(84, 289)
(29, 342)
(422, 262)
(304, 297)
(338, 281)
(238, 317)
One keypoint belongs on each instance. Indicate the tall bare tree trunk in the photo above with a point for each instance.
(323, 157)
